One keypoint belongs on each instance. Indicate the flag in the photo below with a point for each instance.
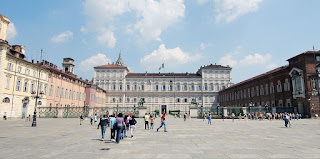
(163, 65)
(159, 68)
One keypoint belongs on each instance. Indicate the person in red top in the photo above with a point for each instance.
(163, 118)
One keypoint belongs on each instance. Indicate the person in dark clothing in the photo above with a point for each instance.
(103, 123)
(132, 123)
(81, 118)
(184, 117)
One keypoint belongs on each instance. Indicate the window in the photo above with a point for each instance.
(19, 69)
(73, 95)
(271, 88)
(170, 87)
(178, 87)
(10, 66)
(34, 74)
(8, 83)
(66, 94)
(114, 87)
(318, 58)
(267, 89)
(257, 90)
(185, 87)
(199, 88)
(128, 87)
(51, 90)
(134, 99)
(186, 100)
(178, 100)
(164, 87)
(62, 93)
(45, 90)
(25, 88)
(33, 89)
(18, 86)
(192, 87)
(70, 94)
(279, 88)
(261, 90)
(142, 87)
(128, 100)
(120, 87)
(58, 91)
(6, 100)
(206, 87)
(157, 87)
(27, 71)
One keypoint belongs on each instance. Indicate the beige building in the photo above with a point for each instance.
(19, 78)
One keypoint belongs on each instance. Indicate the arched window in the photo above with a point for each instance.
(6, 100)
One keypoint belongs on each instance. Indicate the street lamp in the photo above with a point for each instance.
(267, 108)
(34, 121)
(218, 113)
(134, 109)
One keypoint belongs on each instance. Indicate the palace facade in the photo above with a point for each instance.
(161, 91)
(291, 88)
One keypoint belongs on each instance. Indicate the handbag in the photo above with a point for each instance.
(115, 126)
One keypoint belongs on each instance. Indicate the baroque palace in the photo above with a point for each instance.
(23, 80)
(161, 91)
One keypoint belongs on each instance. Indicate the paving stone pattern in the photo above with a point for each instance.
(66, 138)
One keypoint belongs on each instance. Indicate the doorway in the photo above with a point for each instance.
(24, 110)
(164, 108)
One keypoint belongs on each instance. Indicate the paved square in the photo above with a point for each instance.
(65, 138)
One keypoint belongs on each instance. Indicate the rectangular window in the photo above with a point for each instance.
(58, 92)
(25, 88)
(32, 88)
(178, 87)
(51, 90)
(34, 74)
(164, 87)
(142, 87)
(120, 86)
(318, 58)
(19, 69)
(66, 94)
(18, 88)
(45, 90)
(157, 87)
(10, 66)
(70, 94)
(128, 87)
(135, 87)
(27, 71)
(185, 87)
(8, 83)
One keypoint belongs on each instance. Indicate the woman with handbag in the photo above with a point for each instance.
(120, 126)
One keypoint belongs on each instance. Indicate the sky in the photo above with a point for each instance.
(251, 36)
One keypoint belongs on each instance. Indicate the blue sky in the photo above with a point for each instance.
(252, 36)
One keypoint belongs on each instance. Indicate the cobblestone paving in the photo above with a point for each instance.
(66, 138)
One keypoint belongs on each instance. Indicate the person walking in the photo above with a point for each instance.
(81, 118)
(95, 119)
(112, 128)
(120, 125)
(103, 123)
(209, 118)
(232, 115)
(185, 116)
(91, 119)
(132, 123)
(146, 121)
(163, 123)
(189, 116)
(151, 122)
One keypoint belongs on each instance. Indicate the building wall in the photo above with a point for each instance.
(125, 90)
(20, 84)
(65, 91)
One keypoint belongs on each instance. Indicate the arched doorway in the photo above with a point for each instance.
(25, 102)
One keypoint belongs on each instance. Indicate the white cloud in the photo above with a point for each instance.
(228, 60)
(63, 37)
(256, 59)
(202, 1)
(153, 16)
(264, 60)
(203, 46)
(171, 58)
(96, 60)
(83, 29)
(107, 38)
(229, 10)
(156, 16)
(12, 32)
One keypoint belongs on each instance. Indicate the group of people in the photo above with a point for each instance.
(149, 117)
(119, 126)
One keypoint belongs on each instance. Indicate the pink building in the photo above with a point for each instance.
(64, 88)
(95, 96)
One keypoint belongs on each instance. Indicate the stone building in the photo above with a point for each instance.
(291, 88)
(161, 91)
(19, 78)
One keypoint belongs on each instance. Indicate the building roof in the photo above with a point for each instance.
(259, 76)
(177, 75)
(110, 66)
(213, 66)
(306, 52)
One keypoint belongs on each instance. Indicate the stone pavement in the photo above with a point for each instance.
(66, 138)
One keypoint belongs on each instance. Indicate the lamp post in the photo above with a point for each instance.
(34, 121)
(134, 109)
(218, 106)
(267, 108)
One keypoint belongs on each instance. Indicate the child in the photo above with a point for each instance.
(152, 121)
